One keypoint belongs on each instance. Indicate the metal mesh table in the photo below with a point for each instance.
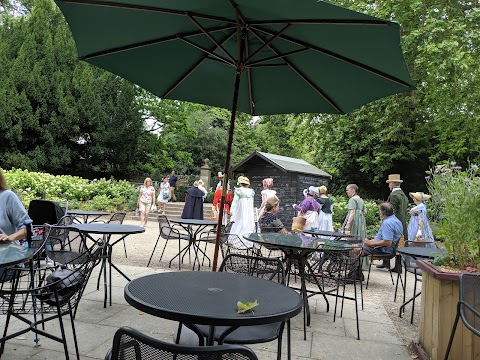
(210, 298)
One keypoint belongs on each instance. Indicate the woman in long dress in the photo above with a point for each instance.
(355, 221)
(309, 208)
(325, 217)
(419, 227)
(267, 193)
(242, 214)
(163, 195)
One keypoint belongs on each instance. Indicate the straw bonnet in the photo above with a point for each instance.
(220, 174)
(200, 182)
(243, 180)
(322, 189)
(419, 196)
(312, 190)
(394, 178)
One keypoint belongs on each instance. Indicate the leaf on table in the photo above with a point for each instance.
(244, 307)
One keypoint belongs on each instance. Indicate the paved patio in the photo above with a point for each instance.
(325, 339)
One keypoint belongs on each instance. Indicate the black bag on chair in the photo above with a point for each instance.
(68, 282)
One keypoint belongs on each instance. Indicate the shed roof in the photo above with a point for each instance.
(284, 163)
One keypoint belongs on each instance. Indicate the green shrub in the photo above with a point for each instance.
(99, 194)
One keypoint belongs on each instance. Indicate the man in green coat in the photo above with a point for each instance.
(400, 205)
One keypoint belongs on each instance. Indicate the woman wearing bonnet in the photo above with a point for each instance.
(267, 193)
(309, 208)
(419, 227)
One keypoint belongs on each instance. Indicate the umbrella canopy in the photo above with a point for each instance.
(258, 57)
(300, 56)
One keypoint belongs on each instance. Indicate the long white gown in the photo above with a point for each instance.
(242, 216)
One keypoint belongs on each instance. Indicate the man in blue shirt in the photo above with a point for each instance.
(388, 235)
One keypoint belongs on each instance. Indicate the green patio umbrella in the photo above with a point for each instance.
(254, 56)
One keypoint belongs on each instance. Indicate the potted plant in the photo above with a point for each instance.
(455, 209)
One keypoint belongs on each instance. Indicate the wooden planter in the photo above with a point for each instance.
(437, 315)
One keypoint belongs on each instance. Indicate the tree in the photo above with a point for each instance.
(58, 114)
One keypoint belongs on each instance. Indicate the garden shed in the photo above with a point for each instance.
(290, 177)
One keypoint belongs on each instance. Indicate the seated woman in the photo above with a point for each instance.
(269, 222)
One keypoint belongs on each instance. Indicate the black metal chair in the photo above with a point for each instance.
(55, 294)
(45, 212)
(117, 218)
(265, 268)
(169, 232)
(130, 344)
(335, 267)
(468, 307)
(410, 267)
(378, 256)
(209, 237)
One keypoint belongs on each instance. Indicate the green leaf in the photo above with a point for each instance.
(244, 307)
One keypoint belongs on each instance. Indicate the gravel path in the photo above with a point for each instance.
(139, 249)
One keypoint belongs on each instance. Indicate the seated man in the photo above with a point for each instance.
(388, 235)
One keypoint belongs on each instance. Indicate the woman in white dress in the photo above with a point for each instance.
(325, 216)
(163, 195)
(419, 227)
(242, 214)
(267, 193)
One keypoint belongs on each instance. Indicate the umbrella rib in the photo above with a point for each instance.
(194, 67)
(267, 43)
(339, 57)
(303, 76)
(146, 8)
(150, 42)
(221, 58)
(368, 22)
(212, 39)
(249, 77)
(254, 63)
(239, 14)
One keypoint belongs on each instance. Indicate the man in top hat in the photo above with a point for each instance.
(400, 206)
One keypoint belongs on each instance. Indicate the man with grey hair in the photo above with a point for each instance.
(388, 235)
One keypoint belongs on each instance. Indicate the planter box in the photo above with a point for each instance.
(437, 315)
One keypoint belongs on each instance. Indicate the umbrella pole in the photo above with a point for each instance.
(229, 150)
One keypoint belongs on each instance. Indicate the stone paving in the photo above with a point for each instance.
(325, 339)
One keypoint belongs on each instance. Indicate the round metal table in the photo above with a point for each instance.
(12, 254)
(187, 225)
(210, 298)
(85, 214)
(107, 230)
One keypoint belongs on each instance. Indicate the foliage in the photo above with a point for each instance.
(455, 197)
(340, 209)
(58, 114)
(98, 194)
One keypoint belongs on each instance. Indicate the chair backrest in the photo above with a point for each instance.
(66, 220)
(130, 344)
(401, 243)
(469, 296)
(45, 212)
(258, 266)
(233, 244)
(65, 246)
(117, 218)
(59, 291)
